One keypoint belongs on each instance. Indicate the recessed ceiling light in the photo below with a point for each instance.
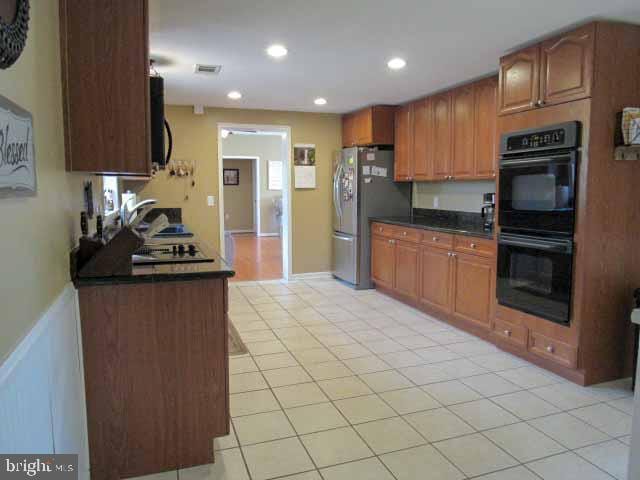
(234, 95)
(277, 51)
(320, 101)
(396, 63)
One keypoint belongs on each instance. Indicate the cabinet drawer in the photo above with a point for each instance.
(407, 234)
(382, 229)
(516, 334)
(437, 239)
(554, 350)
(475, 246)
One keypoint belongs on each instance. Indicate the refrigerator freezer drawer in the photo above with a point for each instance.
(345, 257)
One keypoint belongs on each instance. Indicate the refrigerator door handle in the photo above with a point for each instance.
(335, 191)
(342, 237)
(338, 193)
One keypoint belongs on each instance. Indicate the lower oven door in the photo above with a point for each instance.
(535, 275)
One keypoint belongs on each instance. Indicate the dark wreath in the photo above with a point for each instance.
(13, 36)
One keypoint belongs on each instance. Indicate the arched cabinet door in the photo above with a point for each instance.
(519, 84)
(567, 66)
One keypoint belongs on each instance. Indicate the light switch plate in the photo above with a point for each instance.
(211, 201)
(436, 202)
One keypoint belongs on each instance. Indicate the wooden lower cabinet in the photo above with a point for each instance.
(435, 278)
(382, 261)
(406, 269)
(473, 287)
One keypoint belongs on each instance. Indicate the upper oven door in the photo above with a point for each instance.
(538, 194)
(535, 275)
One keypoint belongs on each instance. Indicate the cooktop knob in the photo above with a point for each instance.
(175, 250)
(181, 249)
(192, 250)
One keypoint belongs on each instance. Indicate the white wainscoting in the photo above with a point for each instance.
(42, 405)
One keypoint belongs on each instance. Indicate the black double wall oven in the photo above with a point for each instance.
(538, 170)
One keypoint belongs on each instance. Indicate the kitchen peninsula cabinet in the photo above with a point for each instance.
(105, 84)
(448, 136)
(369, 126)
(557, 70)
(156, 367)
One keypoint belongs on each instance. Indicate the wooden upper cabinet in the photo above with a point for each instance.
(441, 145)
(463, 132)
(105, 82)
(422, 130)
(519, 80)
(473, 279)
(383, 260)
(403, 144)
(406, 269)
(485, 139)
(567, 66)
(369, 126)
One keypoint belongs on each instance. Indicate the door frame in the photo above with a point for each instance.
(255, 167)
(287, 261)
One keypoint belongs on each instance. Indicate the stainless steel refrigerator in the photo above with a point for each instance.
(363, 187)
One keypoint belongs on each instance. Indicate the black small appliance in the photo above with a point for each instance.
(159, 124)
(488, 210)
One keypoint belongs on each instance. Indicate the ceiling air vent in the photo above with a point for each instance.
(208, 69)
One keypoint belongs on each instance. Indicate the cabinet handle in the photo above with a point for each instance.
(507, 333)
(454, 254)
(550, 348)
(435, 239)
(404, 234)
(494, 175)
(473, 245)
(449, 254)
(540, 103)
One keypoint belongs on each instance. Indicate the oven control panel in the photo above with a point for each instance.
(551, 137)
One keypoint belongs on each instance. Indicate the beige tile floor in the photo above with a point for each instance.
(343, 385)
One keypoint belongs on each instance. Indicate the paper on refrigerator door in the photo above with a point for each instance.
(366, 170)
(379, 171)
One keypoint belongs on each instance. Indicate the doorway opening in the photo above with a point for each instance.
(254, 206)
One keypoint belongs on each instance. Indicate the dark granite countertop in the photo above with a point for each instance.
(460, 223)
(173, 272)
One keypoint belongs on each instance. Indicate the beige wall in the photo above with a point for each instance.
(37, 232)
(459, 196)
(238, 199)
(195, 139)
(266, 148)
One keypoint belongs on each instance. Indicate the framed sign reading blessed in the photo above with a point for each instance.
(17, 154)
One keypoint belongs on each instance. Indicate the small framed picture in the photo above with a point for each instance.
(231, 176)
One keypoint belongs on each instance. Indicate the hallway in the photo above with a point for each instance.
(257, 258)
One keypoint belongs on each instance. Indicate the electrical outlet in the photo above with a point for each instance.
(436, 202)
(211, 201)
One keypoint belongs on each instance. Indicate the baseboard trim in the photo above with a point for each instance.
(311, 276)
(25, 345)
(239, 231)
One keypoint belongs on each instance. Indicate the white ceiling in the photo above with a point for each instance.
(338, 49)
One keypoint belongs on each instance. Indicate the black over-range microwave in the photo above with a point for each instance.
(159, 124)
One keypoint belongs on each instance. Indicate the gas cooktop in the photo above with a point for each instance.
(154, 254)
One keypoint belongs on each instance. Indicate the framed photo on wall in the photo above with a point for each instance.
(231, 176)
